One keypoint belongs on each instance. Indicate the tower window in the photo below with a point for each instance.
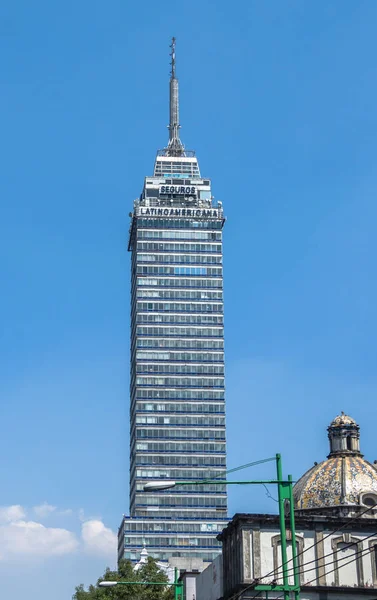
(349, 443)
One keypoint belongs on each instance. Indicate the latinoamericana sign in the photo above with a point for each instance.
(212, 213)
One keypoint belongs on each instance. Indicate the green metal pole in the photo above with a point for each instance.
(178, 586)
(283, 533)
(175, 584)
(296, 575)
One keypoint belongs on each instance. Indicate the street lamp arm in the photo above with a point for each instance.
(112, 583)
(176, 585)
(225, 482)
(158, 486)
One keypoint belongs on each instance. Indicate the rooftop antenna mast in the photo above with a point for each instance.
(175, 146)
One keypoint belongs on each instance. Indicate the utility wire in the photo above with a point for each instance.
(357, 553)
(346, 524)
(276, 571)
(268, 493)
(251, 464)
(315, 560)
(332, 570)
(356, 557)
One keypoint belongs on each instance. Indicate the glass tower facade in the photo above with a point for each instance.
(177, 406)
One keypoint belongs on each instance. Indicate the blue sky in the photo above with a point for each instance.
(279, 101)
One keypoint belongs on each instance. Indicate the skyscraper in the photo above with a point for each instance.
(177, 407)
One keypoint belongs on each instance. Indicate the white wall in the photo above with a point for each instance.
(334, 546)
(209, 584)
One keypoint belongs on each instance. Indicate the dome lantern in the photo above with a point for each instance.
(345, 484)
(344, 436)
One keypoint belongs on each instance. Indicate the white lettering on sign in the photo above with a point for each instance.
(186, 190)
(179, 212)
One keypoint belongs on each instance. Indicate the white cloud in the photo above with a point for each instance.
(43, 510)
(31, 538)
(11, 513)
(98, 539)
(66, 512)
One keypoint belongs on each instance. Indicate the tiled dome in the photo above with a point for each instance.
(345, 479)
(339, 480)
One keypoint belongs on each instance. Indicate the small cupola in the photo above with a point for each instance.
(344, 436)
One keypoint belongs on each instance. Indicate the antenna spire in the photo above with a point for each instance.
(175, 146)
(172, 54)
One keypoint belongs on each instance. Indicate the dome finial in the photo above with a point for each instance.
(344, 436)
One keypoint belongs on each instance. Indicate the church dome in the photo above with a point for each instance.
(343, 419)
(345, 479)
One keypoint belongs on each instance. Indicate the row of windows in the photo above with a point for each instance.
(162, 167)
(135, 555)
(181, 319)
(179, 258)
(208, 513)
(187, 514)
(181, 331)
(185, 356)
(176, 165)
(180, 434)
(179, 306)
(176, 369)
(182, 344)
(179, 235)
(179, 295)
(193, 395)
(201, 421)
(213, 271)
(175, 223)
(194, 408)
(161, 395)
(132, 526)
(171, 461)
(185, 283)
(159, 500)
(178, 247)
(180, 447)
(156, 542)
(181, 381)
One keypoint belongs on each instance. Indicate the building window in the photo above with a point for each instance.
(346, 547)
(277, 558)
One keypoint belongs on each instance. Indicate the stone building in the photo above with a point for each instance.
(336, 532)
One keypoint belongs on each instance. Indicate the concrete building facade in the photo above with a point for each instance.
(177, 402)
(334, 556)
